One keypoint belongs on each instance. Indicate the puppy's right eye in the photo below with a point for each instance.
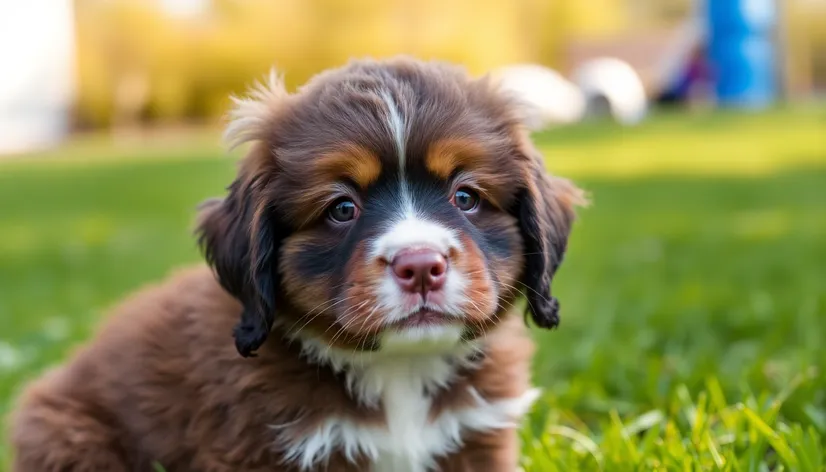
(343, 210)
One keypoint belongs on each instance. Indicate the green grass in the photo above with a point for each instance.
(694, 293)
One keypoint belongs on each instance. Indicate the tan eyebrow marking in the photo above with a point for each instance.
(491, 175)
(446, 155)
(360, 165)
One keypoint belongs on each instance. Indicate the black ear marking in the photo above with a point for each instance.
(238, 237)
(545, 209)
(250, 334)
(544, 311)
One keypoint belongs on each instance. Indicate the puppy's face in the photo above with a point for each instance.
(386, 206)
(398, 243)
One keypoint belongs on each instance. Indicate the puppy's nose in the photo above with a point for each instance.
(420, 271)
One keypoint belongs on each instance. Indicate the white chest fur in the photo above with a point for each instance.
(411, 440)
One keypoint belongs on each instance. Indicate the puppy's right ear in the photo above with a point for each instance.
(240, 234)
(238, 238)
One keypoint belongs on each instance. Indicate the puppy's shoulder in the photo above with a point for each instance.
(189, 303)
(156, 335)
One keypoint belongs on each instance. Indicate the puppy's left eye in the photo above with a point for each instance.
(466, 199)
(343, 210)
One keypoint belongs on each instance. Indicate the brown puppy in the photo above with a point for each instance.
(378, 234)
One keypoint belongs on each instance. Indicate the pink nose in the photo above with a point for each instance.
(420, 271)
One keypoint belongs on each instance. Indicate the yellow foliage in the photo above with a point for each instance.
(595, 17)
(136, 63)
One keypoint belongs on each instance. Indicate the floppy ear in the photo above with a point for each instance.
(546, 212)
(238, 236)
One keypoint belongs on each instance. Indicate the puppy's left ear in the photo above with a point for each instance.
(546, 211)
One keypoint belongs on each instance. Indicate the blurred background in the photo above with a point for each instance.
(109, 64)
(694, 312)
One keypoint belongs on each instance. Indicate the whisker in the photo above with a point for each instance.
(346, 325)
(364, 338)
(349, 311)
(364, 321)
(321, 312)
(341, 331)
(308, 313)
(523, 284)
(334, 300)
(533, 290)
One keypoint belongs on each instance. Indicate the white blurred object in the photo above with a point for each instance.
(614, 83)
(548, 98)
(36, 73)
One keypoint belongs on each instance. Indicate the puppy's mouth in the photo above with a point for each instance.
(423, 317)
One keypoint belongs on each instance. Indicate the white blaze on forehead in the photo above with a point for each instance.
(398, 131)
(415, 233)
(396, 126)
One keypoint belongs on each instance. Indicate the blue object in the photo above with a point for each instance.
(742, 51)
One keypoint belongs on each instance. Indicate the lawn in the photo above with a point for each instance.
(694, 292)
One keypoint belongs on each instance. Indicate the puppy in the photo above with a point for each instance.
(367, 261)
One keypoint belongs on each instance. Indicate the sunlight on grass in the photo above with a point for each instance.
(101, 148)
(729, 145)
(703, 433)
